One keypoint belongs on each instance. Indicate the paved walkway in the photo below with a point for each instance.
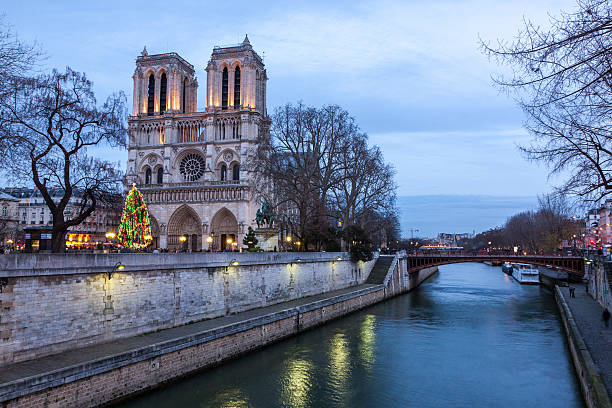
(598, 338)
(81, 356)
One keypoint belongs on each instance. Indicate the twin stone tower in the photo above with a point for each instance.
(190, 165)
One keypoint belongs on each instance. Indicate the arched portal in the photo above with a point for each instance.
(185, 223)
(224, 227)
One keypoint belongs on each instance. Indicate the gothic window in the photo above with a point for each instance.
(151, 96)
(224, 89)
(148, 176)
(223, 172)
(237, 87)
(184, 93)
(236, 172)
(160, 175)
(192, 167)
(163, 84)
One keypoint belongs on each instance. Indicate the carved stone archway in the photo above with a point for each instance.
(224, 226)
(185, 222)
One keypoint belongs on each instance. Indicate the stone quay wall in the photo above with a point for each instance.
(150, 368)
(54, 302)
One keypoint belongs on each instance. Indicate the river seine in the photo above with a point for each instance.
(470, 336)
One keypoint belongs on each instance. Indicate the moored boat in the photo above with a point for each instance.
(526, 274)
(507, 268)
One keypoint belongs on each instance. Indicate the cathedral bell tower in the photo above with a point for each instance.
(236, 79)
(163, 83)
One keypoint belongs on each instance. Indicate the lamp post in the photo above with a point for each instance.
(183, 240)
(118, 267)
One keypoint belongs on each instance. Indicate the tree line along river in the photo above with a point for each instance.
(470, 336)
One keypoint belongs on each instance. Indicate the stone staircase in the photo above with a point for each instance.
(380, 269)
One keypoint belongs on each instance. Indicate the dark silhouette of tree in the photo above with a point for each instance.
(561, 78)
(49, 122)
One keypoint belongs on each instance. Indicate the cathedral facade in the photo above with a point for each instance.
(190, 165)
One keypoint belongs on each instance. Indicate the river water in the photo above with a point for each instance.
(470, 336)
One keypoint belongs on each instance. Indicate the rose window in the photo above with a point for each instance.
(192, 167)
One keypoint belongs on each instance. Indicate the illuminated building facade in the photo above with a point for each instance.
(190, 165)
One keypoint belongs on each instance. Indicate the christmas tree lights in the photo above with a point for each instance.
(135, 226)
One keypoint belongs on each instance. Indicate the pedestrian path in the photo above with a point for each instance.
(598, 338)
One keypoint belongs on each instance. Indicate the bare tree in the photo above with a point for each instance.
(50, 121)
(317, 167)
(561, 77)
(17, 59)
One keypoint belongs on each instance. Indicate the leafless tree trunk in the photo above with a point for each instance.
(50, 121)
(561, 77)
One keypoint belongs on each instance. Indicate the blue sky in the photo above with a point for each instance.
(410, 72)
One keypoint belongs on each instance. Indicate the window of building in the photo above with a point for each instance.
(160, 175)
(236, 172)
(163, 83)
(224, 87)
(223, 173)
(184, 94)
(237, 87)
(148, 176)
(151, 96)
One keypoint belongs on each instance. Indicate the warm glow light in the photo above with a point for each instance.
(148, 238)
(120, 267)
(9, 241)
(288, 238)
(298, 243)
(209, 240)
(229, 241)
(182, 238)
(109, 235)
(235, 262)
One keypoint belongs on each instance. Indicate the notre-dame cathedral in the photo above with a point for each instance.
(190, 165)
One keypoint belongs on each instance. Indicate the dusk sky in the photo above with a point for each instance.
(411, 73)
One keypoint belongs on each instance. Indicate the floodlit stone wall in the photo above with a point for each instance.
(54, 302)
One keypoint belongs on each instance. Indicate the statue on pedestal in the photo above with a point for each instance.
(266, 234)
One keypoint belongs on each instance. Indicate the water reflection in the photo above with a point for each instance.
(468, 337)
(296, 383)
(339, 365)
(367, 341)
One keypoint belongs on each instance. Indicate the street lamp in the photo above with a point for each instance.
(182, 238)
(118, 267)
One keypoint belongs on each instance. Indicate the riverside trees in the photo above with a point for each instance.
(322, 177)
(562, 79)
(47, 123)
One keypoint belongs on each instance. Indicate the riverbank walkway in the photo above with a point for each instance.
(34, 375)
(598, 338)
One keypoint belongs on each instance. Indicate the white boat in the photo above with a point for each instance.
(526, 274)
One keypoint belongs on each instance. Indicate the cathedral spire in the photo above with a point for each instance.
(144, 52)
(246, 40)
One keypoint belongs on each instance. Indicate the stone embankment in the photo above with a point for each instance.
(589, 341)
(265, 298)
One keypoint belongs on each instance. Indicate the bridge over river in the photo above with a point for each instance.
(573, 265)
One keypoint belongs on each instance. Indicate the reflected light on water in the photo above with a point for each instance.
(296, 383)
(231, 398)
(367, 341)
(339, 365)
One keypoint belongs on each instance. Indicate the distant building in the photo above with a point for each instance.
(32, 211)
(452, 239)
(9, 221)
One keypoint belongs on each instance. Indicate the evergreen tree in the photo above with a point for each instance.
(250, 239)
(135, 226)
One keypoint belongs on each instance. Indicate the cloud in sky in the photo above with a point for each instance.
(411, 72)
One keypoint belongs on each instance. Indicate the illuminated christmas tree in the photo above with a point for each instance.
(135, 227)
